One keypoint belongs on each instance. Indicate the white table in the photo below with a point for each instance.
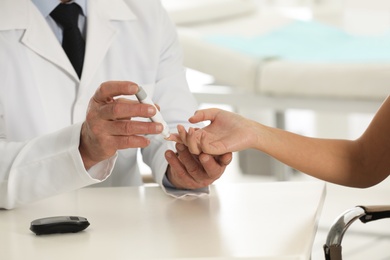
(237, 221)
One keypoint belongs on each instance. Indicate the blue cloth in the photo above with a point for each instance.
(310, 42)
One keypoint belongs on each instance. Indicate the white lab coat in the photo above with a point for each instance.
(42, 101)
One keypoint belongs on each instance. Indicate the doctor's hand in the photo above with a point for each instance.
(189, 171)
(227, 132)
(108, 126)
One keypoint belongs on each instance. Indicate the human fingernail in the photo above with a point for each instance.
(151, 110)
(180, 147)
(159, 128)
(204, 158)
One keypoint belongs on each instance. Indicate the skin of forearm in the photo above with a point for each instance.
(336, 161)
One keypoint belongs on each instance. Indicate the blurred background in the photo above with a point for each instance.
(315, 67)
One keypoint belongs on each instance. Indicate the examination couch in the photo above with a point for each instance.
(276, 58)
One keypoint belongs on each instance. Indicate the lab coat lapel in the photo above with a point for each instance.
(101, 33)
(40, 38)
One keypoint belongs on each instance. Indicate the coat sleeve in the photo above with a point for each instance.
(42, 167)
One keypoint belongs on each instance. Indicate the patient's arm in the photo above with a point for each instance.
(360, 163)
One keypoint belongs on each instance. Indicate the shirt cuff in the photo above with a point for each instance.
(178, 193)
(167, 183)
(103, 169)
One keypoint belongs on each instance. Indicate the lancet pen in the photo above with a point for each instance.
(144, 98)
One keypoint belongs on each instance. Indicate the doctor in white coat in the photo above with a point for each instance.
(59, 133)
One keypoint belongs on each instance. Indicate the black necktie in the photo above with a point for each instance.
(67, 16)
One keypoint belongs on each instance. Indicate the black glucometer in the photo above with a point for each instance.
(60, 224)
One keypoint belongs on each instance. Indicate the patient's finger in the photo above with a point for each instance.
(203, 115)
(175, 138)
(182, 133)
(193, 140)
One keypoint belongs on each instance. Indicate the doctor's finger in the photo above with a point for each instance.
(105, 147)
(123, 110)
(215, 166)
(129, 127)
(110, 89)
(195, 169)
(190, 162)
(104, 128)
(177, 173)
(134, 141)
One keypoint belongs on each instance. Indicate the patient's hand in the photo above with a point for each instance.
(227, 132)
(190, 138)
